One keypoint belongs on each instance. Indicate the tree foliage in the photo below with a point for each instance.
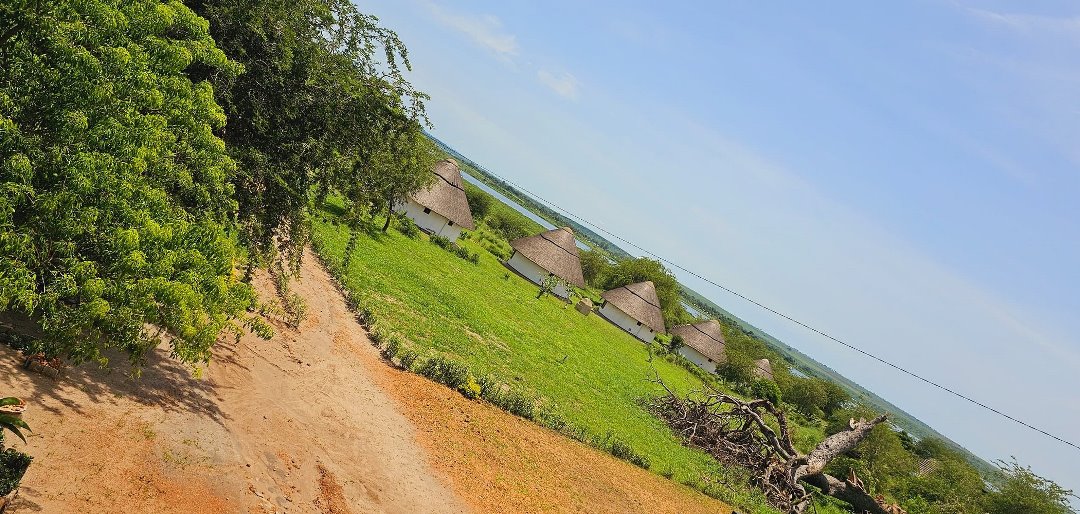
(480, 202)
(595, 267)
(1021, 490)
(322, 103)
(116, 193)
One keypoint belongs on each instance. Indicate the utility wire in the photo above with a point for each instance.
(785, 316)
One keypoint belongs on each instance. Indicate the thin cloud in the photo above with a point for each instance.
(1030, 23)
(485, 30)
(564, 83)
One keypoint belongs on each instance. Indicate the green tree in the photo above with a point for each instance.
(398, 169)
(807, 395)
(479, 201)
(629, 271)
(952, 486)
(766, 389)
(1021, 490)
(595, 267)
(321, 100)
(508, 223)
(116, 193)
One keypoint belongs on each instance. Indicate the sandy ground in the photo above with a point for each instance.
(311, 421)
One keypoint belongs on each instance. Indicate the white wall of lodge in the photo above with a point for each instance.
(534, 273)
(626, 322)
(429, 221)
(697, 358)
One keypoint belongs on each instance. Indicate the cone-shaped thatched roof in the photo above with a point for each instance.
(640, 302)
(705, 337)
(555, 251)
(447, 195)
(763, 369)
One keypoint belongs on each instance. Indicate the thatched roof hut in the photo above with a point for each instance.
(706, 337)
(446, 196)
(639, 301)
(554, 251)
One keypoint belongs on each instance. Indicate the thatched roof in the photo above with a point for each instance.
(446, 196)
(705, 337)
(639, 301)
(555, 251)
(763, 369)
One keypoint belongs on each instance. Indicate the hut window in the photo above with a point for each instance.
(427, 210)
(450, 223)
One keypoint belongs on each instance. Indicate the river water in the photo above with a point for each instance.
(529, 214)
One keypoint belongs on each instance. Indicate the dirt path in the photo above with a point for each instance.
(287, 425)
(312, 421)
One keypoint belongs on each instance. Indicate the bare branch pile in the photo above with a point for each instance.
(755, 435)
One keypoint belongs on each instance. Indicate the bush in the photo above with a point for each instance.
(455, 249)
(13, 464)
(445, 371)
(471, 388)
(509, 224)
(517, 402)
(407, 227)
(392, 348)
(441, 242)
(766, 389)
(622, 450)
(407, 357)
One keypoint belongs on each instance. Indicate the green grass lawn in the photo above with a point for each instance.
(490, 319)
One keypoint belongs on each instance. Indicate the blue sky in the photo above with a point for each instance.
(905, 177)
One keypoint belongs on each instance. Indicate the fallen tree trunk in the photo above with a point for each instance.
(738, 432)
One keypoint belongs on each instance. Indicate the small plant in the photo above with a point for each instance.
(407, 357)
(297, 309)
(551, 284)
(408, 228)
(392, 348)
(9, 418)
(441, 242)
(622, 450)
(13, 463)
(444, 371)
(471, 388)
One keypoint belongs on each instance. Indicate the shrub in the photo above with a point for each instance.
(13, 464)
(445, 371)
(441, 242)
(622, 450)
(518, 403)
(408, 228)
(392, 348)
(471, 388)
(766, 389)
(460, 251)
(509, 224)
(407, 357)
(296, 307)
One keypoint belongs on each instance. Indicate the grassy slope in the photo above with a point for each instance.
(492, 320)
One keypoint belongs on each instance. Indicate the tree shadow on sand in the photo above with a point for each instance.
(165, 383)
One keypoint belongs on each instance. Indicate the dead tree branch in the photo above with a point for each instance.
(756, 435)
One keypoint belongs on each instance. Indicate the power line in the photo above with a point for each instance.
(789, 318)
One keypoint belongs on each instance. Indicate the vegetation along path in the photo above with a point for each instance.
(310, 421)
